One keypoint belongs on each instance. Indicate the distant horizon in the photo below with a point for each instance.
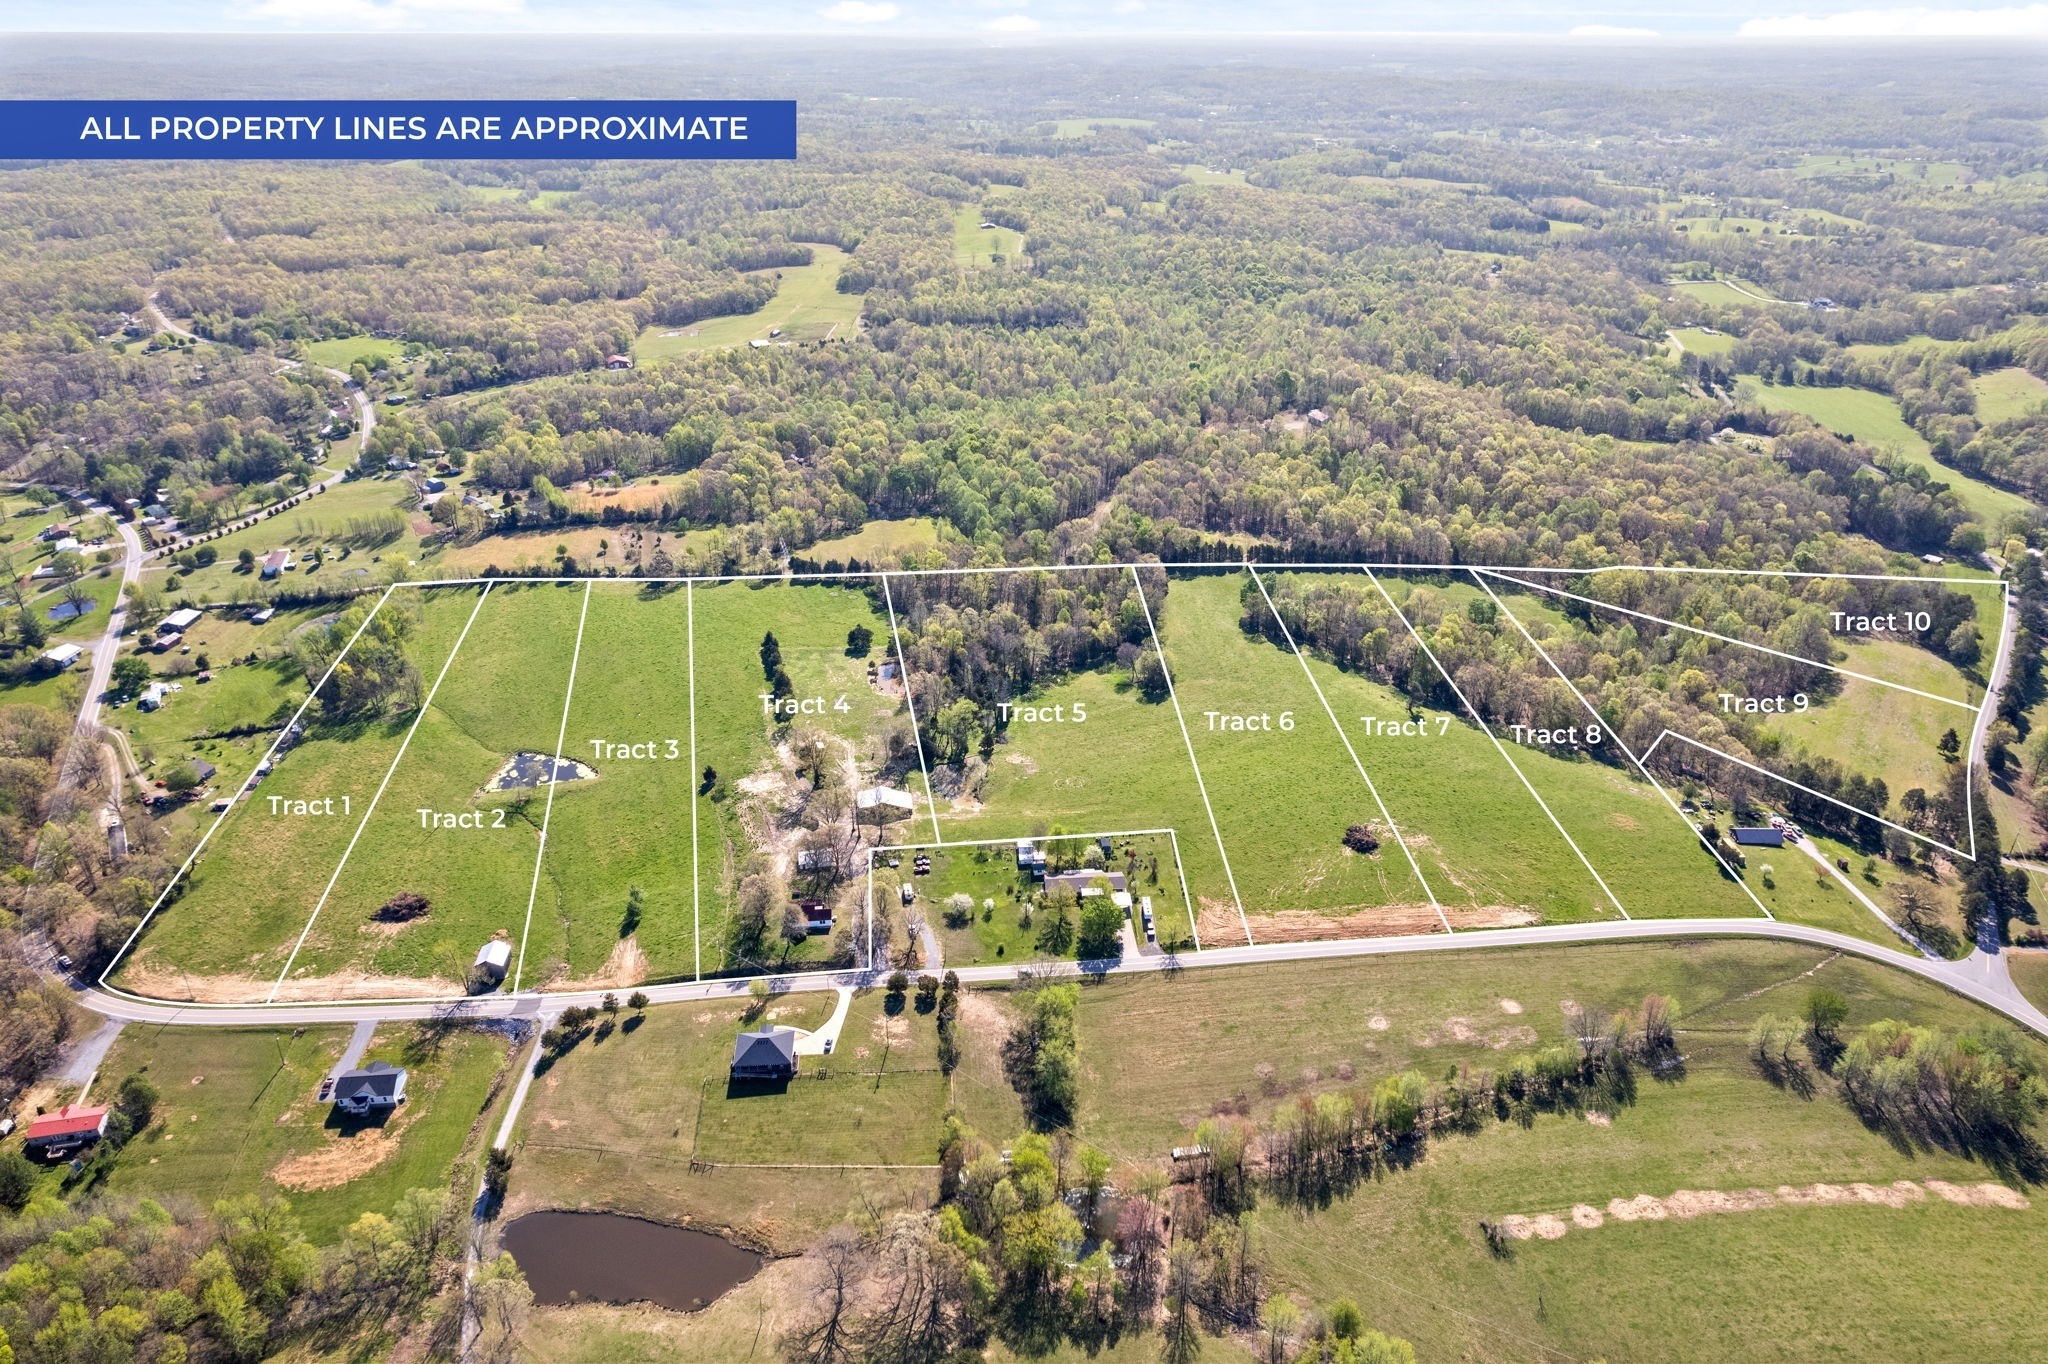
(1831, 21)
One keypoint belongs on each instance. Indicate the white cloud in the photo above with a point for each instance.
(1907, 21)
(1610, 31)
(1127, 7)
(340, 14)
(859, 12)
(1012, 23)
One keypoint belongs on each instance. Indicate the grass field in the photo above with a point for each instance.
(1874, 419)
(340, 352)
(807, 307)
(614, 1123)
(738, 739)
(239, 908)
(1124, 767)
(2030, 972)
(1209, 175)
(338, 519)
(975, 245)
(1488, 852)
(1082, 127)
(879, 540)
(845, 1116)
(1882, 731)
(1703, 341)
(2004, 394)
(503, 695)
(1161, 1054)
(630, 828)
(1731, 225)
(1283, 795)
(238, 1116)
(1817, 166)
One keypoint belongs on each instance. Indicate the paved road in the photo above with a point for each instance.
(1961, 977)
(86, 727)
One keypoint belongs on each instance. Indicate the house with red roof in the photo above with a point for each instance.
(67, 1129)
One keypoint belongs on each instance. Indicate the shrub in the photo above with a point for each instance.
(403, 908)
(1362, 838)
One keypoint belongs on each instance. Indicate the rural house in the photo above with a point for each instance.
(276, 562)
(67, 1129)
(377, 1085)
(767, 1053)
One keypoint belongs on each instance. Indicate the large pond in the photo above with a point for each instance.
(571, 1257)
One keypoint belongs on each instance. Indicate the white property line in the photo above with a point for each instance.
(420, 715)
(1345, 738)
(268, 757)
(1818, 795)
(1166, 670)
(1619, 743)
(931, 799)
(554, 773)
(1501, 748)
(1388, 566)
(1730, 639)
(696, 894)
(1979, 727)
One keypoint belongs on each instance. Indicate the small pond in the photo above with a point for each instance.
(538, 769)
(571, 1257)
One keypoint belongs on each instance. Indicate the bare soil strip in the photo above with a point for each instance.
(1690, 1203)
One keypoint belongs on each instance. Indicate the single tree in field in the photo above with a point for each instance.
(130, 675)
(1825, 1012)
(1950, 747)
(771, 655)
(638, 1001)
(859, 640)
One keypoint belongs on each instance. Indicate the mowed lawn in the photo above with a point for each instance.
(630, 828)
(1726, 293)
(1160, 1054)
(338, 518)
(238, 1115)
(340, 352)
(1283, 796)
(975, 245)
(502, 696)
(1874, 419)
(614, 1124)
(1703, 341)
(244, 902)
(877, 540)
(1883, 731)
(1124, 768)
(736, 735)
(2004, 394)
(807, 306)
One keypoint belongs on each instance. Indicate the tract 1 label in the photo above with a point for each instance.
(616, 750)
(325, 805)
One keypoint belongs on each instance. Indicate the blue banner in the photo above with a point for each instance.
(390, 130)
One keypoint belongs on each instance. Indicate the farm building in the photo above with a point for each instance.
(767, 1053)
(618, 362)
(883, 805)
(377, 1085)
(494, 958)
(63, 656)
(1760, 838)
(276, 562)
(178, 622)
(67, 1129)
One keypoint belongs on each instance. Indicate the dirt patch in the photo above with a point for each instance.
(1690, 1203)
(1304, 925)
(1025, 764)
(1462, 1032)
(986, 1021)
(1378, 1023)
(1599, 1120)
(627, 965)
(1622, 821)
(1510, 1006)
(340, 1159)
(143, 978)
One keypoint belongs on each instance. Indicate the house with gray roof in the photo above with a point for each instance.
(767, 1053)
(377, 1085)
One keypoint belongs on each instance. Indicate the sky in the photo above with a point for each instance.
(1592, 20)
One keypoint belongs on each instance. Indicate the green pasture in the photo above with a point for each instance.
(975, 245)
(807, 306)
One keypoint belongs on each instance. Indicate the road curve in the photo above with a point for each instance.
(1951, 975)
